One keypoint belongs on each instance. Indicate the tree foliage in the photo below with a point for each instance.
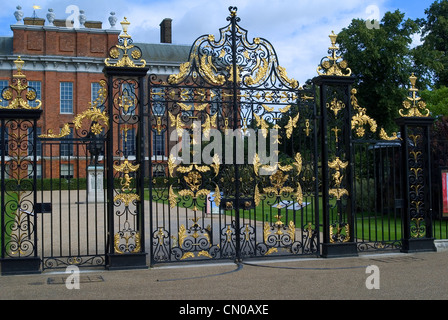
(382, 61)
(431, 56)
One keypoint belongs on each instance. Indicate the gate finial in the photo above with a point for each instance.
(329, 65)
(413, 103)
(19, 93)
(125, 54)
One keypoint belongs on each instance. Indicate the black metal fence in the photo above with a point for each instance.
(333, 191)
(378, 194)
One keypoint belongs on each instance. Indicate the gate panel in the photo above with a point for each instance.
(72, 215)
(232, 155)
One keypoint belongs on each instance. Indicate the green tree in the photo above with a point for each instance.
(432, 53)
(381, 60)
(437, 101)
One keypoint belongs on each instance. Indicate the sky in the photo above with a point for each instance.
(297, 29)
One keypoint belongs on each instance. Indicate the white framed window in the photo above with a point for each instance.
(3, 84)
(38, 170)
(128, 98)
(66, 97)
(128, 142)
(158, 143)
(36, 85)
(38, 142)
(66, 147)
(66, 170)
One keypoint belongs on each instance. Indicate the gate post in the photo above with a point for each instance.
(335, 82)
(18, 197)
(125, 71)
(415, 126)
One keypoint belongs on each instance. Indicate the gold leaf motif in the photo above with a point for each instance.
(261, 68)
(338, 193)
(292, 123)
(283, 75)
(126, 198)
(172, 197)
(262, 124)
(204, 253)
(385, 136)
(205, 68)
(256, 164)
(298, 162)
(65, 131)
(257, 198)
(216, 163)
(182, 233)
(184, 69)
(299, 194)
(171, 164)
(217, 196)
(285, 109)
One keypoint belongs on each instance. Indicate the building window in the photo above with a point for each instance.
(38, 142)
(66, 97)
(128, 98)
(3, 85)
(95, 88)
(128, 142)
(37, 86)
(158, 107)
(66, 147)
(158, 143)
(38, 171)
(66, 171)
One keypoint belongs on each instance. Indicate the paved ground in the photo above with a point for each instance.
(419, 276)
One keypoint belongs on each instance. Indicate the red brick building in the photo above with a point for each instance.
(65, 65)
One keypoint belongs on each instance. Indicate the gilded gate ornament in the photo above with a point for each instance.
(413, 105)
(360, 118)
(333, 65)
(125, 54)
(19, 86)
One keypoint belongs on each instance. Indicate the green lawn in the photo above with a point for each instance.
(368, 228)
(10, 204)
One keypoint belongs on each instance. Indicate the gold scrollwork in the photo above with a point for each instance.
(385, 136)
(65, 131)
(360, 118)
(261, 68)
(283, 75)
(342, 232)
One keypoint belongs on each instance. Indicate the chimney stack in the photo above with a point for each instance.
(165, 30)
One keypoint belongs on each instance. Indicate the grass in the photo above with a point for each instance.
(9, 216)
(369, 226)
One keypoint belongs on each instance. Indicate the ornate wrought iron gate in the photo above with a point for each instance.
(228, 159)
(214, 191)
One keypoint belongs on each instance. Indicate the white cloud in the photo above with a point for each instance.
(298, 29)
